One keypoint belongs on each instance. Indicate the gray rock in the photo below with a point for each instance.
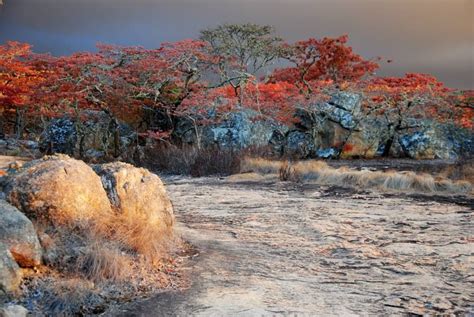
(437, 142)
(29, 144)
(346, 101)
(19, 236)
(299, 144)
(59, 137)
(97, 133)
(343, 108)
(13, 311)
(10, 274)
(327, 153)
(239, 130)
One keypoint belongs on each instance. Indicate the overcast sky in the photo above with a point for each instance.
(434, 36)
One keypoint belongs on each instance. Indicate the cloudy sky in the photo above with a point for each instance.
(434, 36)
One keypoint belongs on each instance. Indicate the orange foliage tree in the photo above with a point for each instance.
(18, 82)
(403, 103)
(323, 59)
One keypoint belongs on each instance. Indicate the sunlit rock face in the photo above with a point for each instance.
(10, 274)
(19, 235)
(136, 192)
(60, 190)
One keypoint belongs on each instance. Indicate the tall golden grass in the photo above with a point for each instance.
(321, 173)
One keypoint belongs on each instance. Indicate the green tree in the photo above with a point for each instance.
(241, 51)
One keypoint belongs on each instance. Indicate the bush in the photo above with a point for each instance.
(197, 162)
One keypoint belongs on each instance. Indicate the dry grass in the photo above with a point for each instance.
(100, 261)
(462, 170)
(190, 160)
(260, 166)
(321, 173)
(138, 233)
(68, 297)
(87, 267)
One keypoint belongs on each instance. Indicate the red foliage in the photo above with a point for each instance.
(18, 79)
(123, 80)
(325, 59)
(416, 95)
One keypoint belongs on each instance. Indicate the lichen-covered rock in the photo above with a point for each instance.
(299, 144)
(13, 311)
(60, 190)
(10, 274)
(59, 137)
(437, 142)
(136, 192)
(96, 133)
(19, 235)
(239, 130)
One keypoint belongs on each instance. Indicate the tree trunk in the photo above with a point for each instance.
(19, 123)
(388, 146)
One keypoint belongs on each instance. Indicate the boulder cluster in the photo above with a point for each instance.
(60, 194)
(322, 130)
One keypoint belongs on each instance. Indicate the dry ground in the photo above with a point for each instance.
(277, 248)
(265, 247)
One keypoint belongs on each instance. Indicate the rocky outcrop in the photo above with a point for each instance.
(58, 189)
(19, 236)
(137, 193)
(238, 130)
(299, 144)
(10, 274)
(59, 137)
(437, 142)
(96, 136)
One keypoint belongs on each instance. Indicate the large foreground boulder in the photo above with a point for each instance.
(19, 235)
(10, 274)
(136, 192)
(59, 190)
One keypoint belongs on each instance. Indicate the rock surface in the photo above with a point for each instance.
(270, 248)
(136, 192)
(58, 189)
(59, 137)
(97, 136)
(19, 236)
(10, 274)
(13, 311)
(239, 130)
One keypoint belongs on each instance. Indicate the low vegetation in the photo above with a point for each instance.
(321, 173)
(91, 261)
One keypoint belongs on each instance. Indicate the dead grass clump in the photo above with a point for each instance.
(100, 261)
(287, 172)
(191, 160)
(462, 170)
(70, 297)
(321, 173)
(260, 166)
(140, 234)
